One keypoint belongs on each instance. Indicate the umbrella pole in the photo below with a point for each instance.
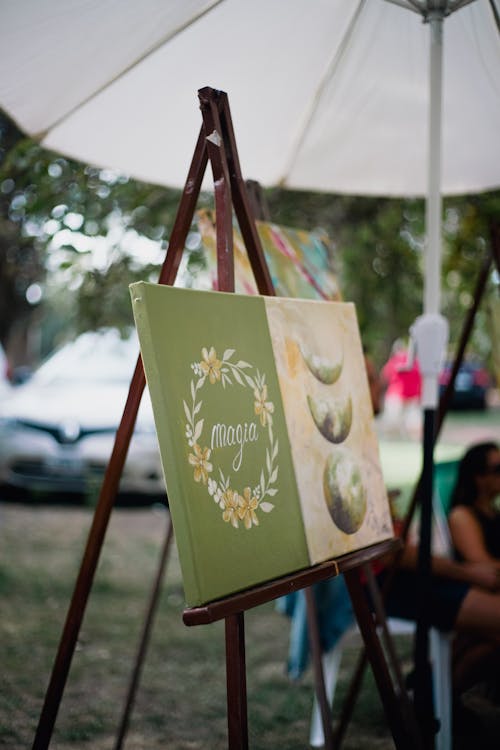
(429, 336)
(432, 265)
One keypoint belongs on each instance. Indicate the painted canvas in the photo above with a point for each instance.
(298, 260)
(265, 427)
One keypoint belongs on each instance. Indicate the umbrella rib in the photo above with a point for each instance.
(168, 37)
(496, 14)
(329, 72)
(423, 8)
(416, 5)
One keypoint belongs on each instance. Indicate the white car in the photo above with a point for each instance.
(57, 430)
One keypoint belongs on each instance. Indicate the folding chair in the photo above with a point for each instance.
(440, 647)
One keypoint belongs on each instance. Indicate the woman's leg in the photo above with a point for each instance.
(474, 661)
(479, 614)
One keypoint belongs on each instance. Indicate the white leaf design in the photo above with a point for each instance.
(227, 354)
(198, 429)
(186, 411)
(237, 377)
(272, 492)
(266, 507)
(274, 476)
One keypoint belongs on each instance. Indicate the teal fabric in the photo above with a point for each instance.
(445, 475)
(335, 616)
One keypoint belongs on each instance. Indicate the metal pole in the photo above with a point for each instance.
(434, 202)
(429, 335)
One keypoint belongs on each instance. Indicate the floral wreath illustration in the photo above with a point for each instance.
(236, 506)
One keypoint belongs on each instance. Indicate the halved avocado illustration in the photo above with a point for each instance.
(345, 494)
(323, 369)
(332, 419)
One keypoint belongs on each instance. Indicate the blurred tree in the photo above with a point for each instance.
(19, 261)
(68, 229)
(377, 250)
(73, 236)
(374, 241)
(467, 231)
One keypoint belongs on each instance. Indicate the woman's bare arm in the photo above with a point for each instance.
(481, 574)
(467, 537)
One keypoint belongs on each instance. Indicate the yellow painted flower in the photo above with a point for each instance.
(202, 466)
(229, 502)
(263, 408)
(210, 365)
(247, 506)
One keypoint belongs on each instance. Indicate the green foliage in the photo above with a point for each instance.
(378, 251)
(79, 232)
(84, 233)
(375, 241)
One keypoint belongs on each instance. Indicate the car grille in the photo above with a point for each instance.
(66, 433)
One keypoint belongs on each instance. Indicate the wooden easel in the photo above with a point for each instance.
(216, 143)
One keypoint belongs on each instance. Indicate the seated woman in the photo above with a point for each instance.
(474, 521)
(464, 593)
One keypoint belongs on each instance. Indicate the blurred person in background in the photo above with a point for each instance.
(403, 386)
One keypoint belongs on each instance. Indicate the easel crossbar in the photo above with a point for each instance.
(270, 590)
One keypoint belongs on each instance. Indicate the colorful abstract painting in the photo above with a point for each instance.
(298, 260)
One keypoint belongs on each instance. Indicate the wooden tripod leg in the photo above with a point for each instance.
(114, 470)
(241, 200)
(351, 698)
(395, 709)
(89, 564)
(237, 721)
(217, 152)
(319, 679)
(144, 639)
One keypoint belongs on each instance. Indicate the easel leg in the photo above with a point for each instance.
(319, 681)
(236, 682)
(144, 640)
(397, 708)
(112, 476)
(351, 697)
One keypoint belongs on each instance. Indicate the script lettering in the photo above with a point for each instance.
(224, 436)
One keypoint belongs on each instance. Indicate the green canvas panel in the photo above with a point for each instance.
(175, 326)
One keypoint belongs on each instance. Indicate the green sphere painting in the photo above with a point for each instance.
(345, 494)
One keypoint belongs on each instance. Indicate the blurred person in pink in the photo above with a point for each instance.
(403, 387)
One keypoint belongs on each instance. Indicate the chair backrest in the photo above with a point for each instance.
(445, 475)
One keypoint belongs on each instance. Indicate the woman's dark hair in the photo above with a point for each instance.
(473, 464)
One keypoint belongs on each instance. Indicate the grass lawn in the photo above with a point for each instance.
(181, 703)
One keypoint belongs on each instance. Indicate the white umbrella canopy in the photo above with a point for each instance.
(327, 95)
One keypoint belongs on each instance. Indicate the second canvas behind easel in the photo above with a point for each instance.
(266, 433)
